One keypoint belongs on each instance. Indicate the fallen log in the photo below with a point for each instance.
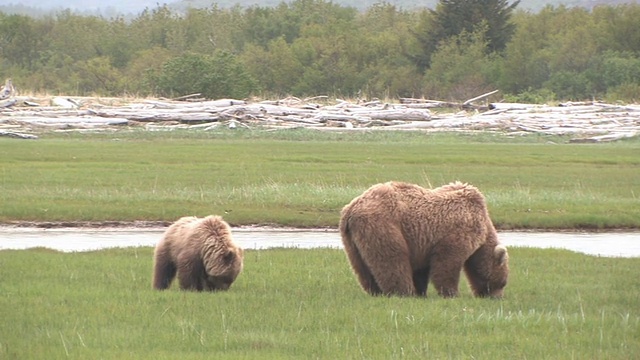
(8, 103)
(483, 96)
(17, 135)
(7, 90)
(514, 106)
(606, 138)
(65, 103)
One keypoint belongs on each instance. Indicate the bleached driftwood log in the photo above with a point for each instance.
(65, 103)
(514, 106)
(483, 96)
(7, 90)
(468, 104)
(584, 121)
(8, 103)
(18, 135)
(606, 138)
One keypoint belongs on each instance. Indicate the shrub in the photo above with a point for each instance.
(218, 76)
(531, 96)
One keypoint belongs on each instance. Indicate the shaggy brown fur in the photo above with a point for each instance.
(398, 236)
(201, 252)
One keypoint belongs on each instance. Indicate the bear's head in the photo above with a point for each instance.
(222, 267)
(499, 272)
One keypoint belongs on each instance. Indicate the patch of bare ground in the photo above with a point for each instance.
(144, 225)
(137, 224)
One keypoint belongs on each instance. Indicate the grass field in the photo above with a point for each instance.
(294, 303)
(303, 177)
(306, 304)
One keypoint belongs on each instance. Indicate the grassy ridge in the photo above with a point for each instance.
(292, 303)
(303, 178)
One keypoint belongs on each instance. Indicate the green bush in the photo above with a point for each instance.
(531, 96)
(570, 85)
(629, 92)
(218, 76)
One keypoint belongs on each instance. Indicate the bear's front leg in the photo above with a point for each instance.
(445, 276)
(191, 275)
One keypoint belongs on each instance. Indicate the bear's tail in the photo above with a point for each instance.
(343, 226)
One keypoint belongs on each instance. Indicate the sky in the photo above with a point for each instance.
(123, 6)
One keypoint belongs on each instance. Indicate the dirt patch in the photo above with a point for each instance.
(145, 225)
(86, 224)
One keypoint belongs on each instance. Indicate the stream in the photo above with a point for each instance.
(609, 244)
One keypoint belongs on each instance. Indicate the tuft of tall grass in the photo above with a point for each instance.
(294, 303)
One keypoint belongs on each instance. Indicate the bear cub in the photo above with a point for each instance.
(201, 252)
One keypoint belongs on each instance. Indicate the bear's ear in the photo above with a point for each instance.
(500, 254)
(229, 256)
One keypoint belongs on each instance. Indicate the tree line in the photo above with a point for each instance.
(310, 47)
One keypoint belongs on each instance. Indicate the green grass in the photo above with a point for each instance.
(304, 304)
(303, 178)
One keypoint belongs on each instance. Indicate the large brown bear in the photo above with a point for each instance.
(201, 252)
(398, 236)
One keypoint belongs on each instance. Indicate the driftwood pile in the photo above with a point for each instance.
(587, 122)
(584, 122)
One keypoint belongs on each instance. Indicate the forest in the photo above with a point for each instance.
(455, 51)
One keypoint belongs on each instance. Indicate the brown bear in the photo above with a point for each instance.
(201, 252)
(398, 236)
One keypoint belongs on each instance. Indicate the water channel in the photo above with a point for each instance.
(609, 244)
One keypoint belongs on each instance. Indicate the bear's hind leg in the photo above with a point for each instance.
(388, 260)
(163, 273)
(421, 281)
(397, 281)
(365, 278)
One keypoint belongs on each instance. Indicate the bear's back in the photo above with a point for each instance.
(432, 213)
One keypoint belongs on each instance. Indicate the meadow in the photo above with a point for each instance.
(292, 303)
(303, 177)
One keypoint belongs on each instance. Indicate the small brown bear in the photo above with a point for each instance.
(201, 252)
(399, 236)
